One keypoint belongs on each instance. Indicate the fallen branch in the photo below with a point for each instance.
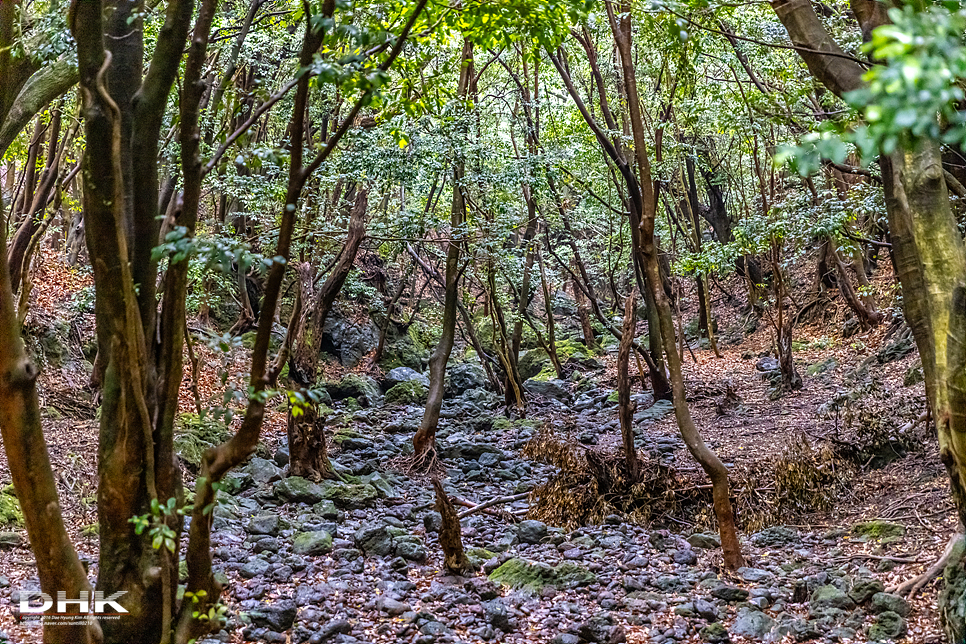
(912, 586)
(474, 508)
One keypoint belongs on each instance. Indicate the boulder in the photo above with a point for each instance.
(829, 596)
(312, 543)
(531, 531)
(400, 375)
(277, 616)
(883, 602)
(348, 340)
(752, 624)
(363, 388)
(531, 576)
(532, 363)
(888, 626)
(349, 496)
(412, 392)
(553, 389)
(296, 489)
(463, 376)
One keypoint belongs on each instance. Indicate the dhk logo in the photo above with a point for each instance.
(83, 602)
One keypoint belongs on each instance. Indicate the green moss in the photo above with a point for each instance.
(248, 339)
(479, 556)
(878, 530)
(612, 398)
(411, 392)
(530, 576)
(194, 435)
(91, 530)
(10, 513)
(502, 423)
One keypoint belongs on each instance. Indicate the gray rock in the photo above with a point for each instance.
(705, 541)
(775, 536)
(277, 616)
(863, 589)
(730, 593)
(553, 389)
(755, 575)
(262, 470)
(257, 567)
(335, 627)
(351, 340)
(752, 624)
(497, 615)
(888, 626)
(883, 602)
(10, 540)
(463, 376)
(405, 374)
(531, 531)
(296, 489)
(312, 543)
(829, 596)
(705, 609)
(264, 524)
(715, 633)
(685, 556)
(374, 539)
(391, 606)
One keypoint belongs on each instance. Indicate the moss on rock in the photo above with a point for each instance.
(532, 576)
(412, 392)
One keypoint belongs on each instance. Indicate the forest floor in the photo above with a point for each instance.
(869, 510)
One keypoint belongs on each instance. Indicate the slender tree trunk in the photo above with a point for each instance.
(625, 406)
(424, 442)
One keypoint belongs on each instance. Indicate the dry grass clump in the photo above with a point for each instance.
(593, 484)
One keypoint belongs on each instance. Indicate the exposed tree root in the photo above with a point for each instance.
(912, 586)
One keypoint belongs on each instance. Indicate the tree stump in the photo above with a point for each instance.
(450, 534)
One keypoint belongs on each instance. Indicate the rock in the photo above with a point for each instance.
(262, 470)
(657, 411)
(755, 575)
(407, 393)
(350, 340)
(552, 389)
(878, 530)
(822, 366)
(829, 596)
(410, 548)
(326, 509)
(752, 624)
(885, 602)
(497, 615)
(531, 531)
(913, 375)
(863, 589)
(534, 576)
(888, 626)
(363, 388)
(350, 496)
(600, 629)
(400, 375)
(896, 350)
(432, 521)
(715, 633)
(705, 609)
(775, 536)
(391, 606)
(705, 541)
(257, 567)
(10, 540)
(296, 489)
(312, 543)
(766, 363)
(281, 457)
(532, 363)
(730, 593)
(264, 523)
(463, 376)
(278, 616)
(335, 627)
(374, 539)
(685, 557)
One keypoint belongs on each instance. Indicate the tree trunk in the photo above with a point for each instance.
(712, 465)
(450, 534)
(424, 442)
(625, 406)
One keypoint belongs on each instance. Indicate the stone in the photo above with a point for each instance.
(599, 629)
(264, 523)
(349, 496)
(10, 540)
(685, 557)
(374, 539)
(883, 602)
(257, 567)
(531, 531)
(326, 509)
(296, 489)
(497, 615)
(335, 627)
(767, 363)
(755, 575)
(400, 375)
(864, 588)
(705, 609)
(752, 624)
(704, 541)
(868, 530)
(391, 606)
(351, 340)
(533, 576)
(432, 521)
(532, 363)
(774, 536)
(312, 543)
(463, 376)
(829, 596)
(263, 470)
(407, 393)
(552, 389)
(278, 616)
(715, 633)
(730, 593)
(888, 626)
(363, 388)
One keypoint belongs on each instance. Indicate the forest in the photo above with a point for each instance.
(568, 321)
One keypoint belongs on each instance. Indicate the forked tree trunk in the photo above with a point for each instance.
(625, 406)
(424, 442)
(308, 456)
(709, 461)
